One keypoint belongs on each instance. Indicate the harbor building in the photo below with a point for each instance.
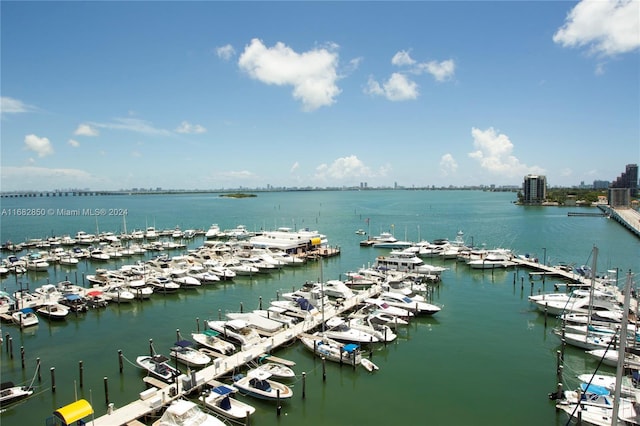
(628, 179)
(534, 189)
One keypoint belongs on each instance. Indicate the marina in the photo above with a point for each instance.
(423, 343)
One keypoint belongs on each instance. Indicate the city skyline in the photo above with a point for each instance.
(202, 95)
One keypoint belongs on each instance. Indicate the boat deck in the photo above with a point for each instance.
(165, 393)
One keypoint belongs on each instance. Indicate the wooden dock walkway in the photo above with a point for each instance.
(161, 394)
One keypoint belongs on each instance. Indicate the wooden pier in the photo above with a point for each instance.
(161, 394)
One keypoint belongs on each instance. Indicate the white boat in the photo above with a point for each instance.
(163, 285)
(117, 293)
(151, 233)
(220, 400)
(339, 329)
(99, 255)
(387, 240)
(158, 367)
(214, 231)
(498, 258)
(9, 393)
(180, 276)
(300, 308)
(236, 330)
(210, 339)
(577, 302)
(368, 364)
(36, 262)
(53, 311)
(184, 352)
(182, 412)
(610, 357)
(260, 323)
(388, 309)
(6, 302)
(24, 318)
(259, 385)
(332, 350)
(277, 370)
(400, 301)
(239, 268)
(382, 332)
(406, 261)
(275, 313)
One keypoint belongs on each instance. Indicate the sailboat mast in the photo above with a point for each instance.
(622, 349)
(593, 283)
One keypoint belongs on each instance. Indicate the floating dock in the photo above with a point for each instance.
(161, 394)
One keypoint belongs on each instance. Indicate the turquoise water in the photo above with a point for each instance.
(486, 358)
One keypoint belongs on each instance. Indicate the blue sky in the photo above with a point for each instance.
(199, 95)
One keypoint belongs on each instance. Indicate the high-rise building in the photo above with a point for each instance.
(534, 189)
(628, 179)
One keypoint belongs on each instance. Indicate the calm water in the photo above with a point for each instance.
(485, 359)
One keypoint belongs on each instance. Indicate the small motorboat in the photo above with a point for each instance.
(220, 400)
(25, 318)
(9, 393)
(186, 354)
(332, 350)
(277, 370)
(257, 384)
(158, 367)
(209, 339)
(183, 412)
(53, 311)
(368, 364)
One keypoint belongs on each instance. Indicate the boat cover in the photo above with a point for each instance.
(184, 343)
(351, 347)
(211, 333)
(304, 304)
(596, 389)
(27, 310)
(223, 390)
(74, 411)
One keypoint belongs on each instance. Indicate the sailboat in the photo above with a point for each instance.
(622, 411)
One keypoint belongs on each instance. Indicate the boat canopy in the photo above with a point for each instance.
(74, 411)
(184, 343)
(211, 333)
(316, 241)
(27, 310)
(72, 297)
(304, 304)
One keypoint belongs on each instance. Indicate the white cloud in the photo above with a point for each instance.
(347, 169)
(606, 27)
(312, 74)
(397, 88)
(186, 127)
(448, 165)
(402, 58)
(74, 143)
(41, 146)
(295, 167)
(225, 52)
(13, 106)
(494, 154)
(133, 125)
(86, 130)
(441, 71)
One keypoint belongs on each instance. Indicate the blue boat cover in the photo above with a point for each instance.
(222, 390)
(304, 304)
(351, 347)
(596, 389)
(72, 296)
(27, 310)
(184, 343)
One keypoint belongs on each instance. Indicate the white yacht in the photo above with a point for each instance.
(404, 261)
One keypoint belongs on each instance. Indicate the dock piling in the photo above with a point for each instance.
(150, 347)
(278, 404)
(81, 373)
(53, 379)
(38, 369)
(198, 324)
(106, 391)
(120, 365)
(304, 385)
(22, 356)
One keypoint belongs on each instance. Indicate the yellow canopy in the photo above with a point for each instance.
(74, 411)
(316, 241)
